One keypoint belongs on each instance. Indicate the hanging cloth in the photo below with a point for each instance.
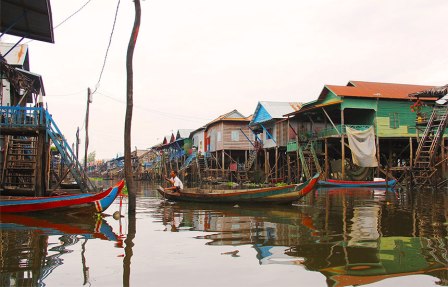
(362, 145)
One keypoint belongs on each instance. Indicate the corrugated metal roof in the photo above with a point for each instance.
(277, 110)
(29, 19)
(230, 116)
(373, 90)
(266, 110)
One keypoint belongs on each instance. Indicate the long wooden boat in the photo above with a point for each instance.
(278, 194)
(75, 203)
(352, 183)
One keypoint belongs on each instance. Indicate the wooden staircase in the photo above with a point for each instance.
(309, 160)
(423, 167)
(250, 161)
(19, 170)
(202, 165)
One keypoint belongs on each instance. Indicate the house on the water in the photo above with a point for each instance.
(272, 132)
(381, 113)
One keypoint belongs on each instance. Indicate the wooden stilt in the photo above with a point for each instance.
(276, 162)
(342, 145)
(327, 165)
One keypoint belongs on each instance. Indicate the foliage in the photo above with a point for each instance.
(281, 184)
(91, 156)
(124, 191)
(417, 106)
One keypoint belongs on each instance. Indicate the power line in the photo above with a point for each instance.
(107, 50)
(73, 14)
(68, 18)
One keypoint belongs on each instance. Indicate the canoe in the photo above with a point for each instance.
(352, 183)
(74, 203)
(278, 194)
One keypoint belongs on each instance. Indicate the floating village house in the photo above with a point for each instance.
(27, 129)
(272, 132)
(380, 113)
(227, 146)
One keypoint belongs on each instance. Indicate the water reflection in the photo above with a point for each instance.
(352, 236)
(27, 255)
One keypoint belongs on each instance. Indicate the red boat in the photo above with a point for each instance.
(75, 203)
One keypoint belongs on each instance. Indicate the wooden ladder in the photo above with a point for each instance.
(429, 144)
(20, 163)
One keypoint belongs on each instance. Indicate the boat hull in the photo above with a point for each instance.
(278, 195)
(350, 183)
(77, 203)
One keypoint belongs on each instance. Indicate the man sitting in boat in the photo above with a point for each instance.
(175, 181)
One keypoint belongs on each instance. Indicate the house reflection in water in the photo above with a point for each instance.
(352, 239)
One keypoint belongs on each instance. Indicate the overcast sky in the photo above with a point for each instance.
(196, 60)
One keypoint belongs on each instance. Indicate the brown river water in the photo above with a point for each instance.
(333, 237)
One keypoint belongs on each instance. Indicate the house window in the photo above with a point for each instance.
(235, 136)
(269, 133)
(394, 121)
(218, 136)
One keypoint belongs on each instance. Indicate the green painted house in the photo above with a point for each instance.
(360, 105)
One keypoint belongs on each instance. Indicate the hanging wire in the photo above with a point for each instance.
(107, 50)
(68, 18)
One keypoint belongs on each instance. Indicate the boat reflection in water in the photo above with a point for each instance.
(26, 254)
(352, 236)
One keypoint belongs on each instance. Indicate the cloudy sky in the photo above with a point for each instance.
(196, 60)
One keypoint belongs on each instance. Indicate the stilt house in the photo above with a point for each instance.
(384, 108)
(271, 130)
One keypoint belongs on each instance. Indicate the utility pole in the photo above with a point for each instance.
(89, 100)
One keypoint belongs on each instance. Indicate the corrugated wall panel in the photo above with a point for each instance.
(262, 116)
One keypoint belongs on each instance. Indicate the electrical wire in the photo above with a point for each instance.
(107, 50)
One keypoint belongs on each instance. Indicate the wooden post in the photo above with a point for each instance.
(443, 155)
(342, 145)
(223, 161)
(327, 165)
(40, 165)
(77, 143)
(288, 163)
(276, 162)
(89, 100)
(411, 153)
(298, 159)
(266, 160)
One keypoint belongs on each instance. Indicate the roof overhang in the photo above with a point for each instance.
(28, 19)
(313, 107)
(38, 84)
(433, 93)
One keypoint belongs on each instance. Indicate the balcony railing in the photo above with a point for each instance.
(341, 129)
(16, 117)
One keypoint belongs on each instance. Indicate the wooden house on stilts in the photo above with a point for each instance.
(379, 112)
(226, 146)
(272, 132)
(27, 129)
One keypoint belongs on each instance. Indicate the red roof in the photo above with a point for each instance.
(374, 90)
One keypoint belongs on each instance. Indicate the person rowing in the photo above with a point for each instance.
(177, 185)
